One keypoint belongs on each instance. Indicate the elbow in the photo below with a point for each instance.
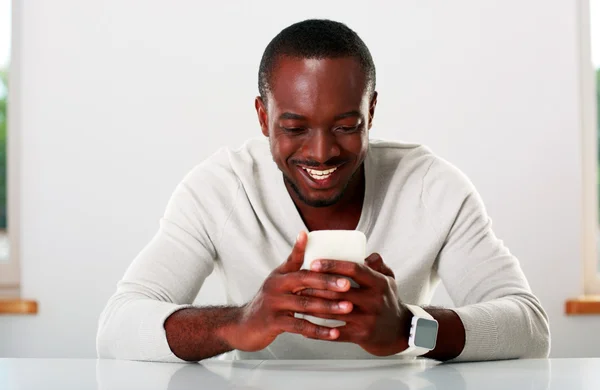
(104, 342)
(103, 346)
(540, 341)
(110, 334)
(545, 347)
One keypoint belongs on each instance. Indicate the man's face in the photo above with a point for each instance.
(317, 117)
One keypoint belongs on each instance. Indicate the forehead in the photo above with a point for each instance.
(308, 85)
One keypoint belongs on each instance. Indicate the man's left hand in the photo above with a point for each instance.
(378, 322)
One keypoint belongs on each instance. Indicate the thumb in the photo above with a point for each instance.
(296, 258)
(375, 262)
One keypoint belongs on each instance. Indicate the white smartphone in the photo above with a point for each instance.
(348, 245)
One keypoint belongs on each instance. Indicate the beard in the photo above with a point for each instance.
(318, 202)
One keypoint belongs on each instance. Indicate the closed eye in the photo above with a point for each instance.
(348, 129)
(293, 130)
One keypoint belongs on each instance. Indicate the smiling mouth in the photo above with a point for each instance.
(318, 174)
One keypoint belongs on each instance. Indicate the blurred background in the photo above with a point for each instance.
(112, 102)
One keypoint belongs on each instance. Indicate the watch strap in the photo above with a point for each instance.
(417, 312)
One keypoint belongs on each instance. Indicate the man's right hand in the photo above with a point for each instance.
(271, 311)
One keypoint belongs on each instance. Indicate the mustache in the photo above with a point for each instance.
(316, 164)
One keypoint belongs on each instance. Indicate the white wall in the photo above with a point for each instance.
(121, 98)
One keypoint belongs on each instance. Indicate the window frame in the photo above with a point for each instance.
(589, 148)
(10, 271)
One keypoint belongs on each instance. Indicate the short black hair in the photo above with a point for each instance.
(315, 38)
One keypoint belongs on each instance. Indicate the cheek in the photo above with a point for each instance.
(357, 144)
(282, 147)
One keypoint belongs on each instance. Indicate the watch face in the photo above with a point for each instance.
(426, 333)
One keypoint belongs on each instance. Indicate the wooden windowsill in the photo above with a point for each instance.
(585, 305)
(18, 306)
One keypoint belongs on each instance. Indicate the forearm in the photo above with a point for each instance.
(200, 333)
(131, 328)
(451, 335)
(510, 327)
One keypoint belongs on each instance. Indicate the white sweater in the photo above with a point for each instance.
(233, 214)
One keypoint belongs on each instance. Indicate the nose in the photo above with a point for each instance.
(321, 146)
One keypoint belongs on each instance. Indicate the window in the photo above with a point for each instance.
(590, 110)
(9, 268)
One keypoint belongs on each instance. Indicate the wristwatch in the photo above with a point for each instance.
(423, 332)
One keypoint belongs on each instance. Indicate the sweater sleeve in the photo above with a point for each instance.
(501, 316)
(166, 276)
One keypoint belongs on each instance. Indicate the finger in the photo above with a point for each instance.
(303, 304)
(303, 279)
(347, 333)
(296, 258)
(360, 273)
(360, 298)
(318, 293)
(375, 262)
(306, 328)
(353, 321)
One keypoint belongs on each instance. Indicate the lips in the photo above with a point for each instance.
(318, 174)
(320, 178)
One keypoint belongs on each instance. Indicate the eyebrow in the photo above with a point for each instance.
(349, 114)
(291, 115)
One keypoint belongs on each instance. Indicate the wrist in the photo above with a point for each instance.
(451, 335)
(404, 321)
(230, 332)
(423, 332)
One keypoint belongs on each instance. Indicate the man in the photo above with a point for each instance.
(241, 212)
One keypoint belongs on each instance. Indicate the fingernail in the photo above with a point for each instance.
(344, 305)
(298, 236)
(315, 265)
(342, 282)
(332, 333)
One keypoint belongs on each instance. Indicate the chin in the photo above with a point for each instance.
(314, 200)
(326, 202)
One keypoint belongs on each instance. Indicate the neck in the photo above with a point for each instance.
(344, 214)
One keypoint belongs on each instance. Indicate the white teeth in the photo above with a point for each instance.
(317, 172)
(319, 175)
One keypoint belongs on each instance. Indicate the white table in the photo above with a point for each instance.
(83, 374)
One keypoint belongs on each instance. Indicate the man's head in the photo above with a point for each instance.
(316, 105)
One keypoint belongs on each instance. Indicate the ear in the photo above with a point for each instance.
(372, 109)
(261, 112)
